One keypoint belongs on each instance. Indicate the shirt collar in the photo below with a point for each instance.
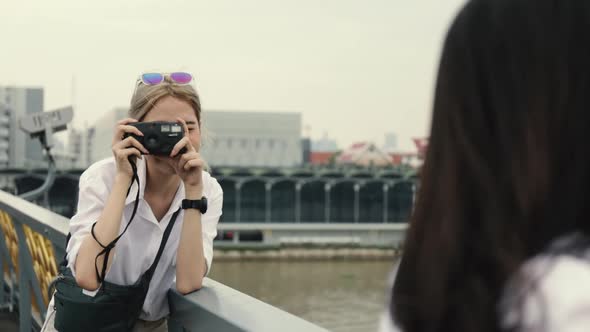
(141, 174)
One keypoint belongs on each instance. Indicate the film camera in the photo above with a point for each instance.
(159, 137)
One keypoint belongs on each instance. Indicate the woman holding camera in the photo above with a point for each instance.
(174, 204)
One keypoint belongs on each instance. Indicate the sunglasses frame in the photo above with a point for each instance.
(140, 79)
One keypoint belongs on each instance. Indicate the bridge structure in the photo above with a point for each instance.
(356, 205)
(32, 239)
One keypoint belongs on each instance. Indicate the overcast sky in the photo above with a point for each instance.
(354, 69)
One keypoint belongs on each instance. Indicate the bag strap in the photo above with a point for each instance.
(64, 261)
(152, 269)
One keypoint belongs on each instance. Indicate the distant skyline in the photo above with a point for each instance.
(355, 70)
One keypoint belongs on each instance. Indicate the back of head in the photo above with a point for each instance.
(507, 169)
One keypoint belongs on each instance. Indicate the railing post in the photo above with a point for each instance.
(46, 200)
(24, 290)
(298, 186)
(238, 201)
(327, 188)
(268, 187)
(357, 204)
(26, 279)
(385, 201)
(4, 259)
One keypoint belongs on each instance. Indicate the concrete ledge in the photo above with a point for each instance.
(312, 226)
(307, 254)
(217, 307)
(288, 234)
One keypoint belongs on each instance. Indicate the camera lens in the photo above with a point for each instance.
(151, 142)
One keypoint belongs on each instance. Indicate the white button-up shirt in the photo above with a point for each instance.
(136, 249)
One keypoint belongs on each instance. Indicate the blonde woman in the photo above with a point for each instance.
(175, 196)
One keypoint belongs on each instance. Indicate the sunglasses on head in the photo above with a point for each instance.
(181, 78)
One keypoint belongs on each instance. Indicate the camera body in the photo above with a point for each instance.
(159, 137)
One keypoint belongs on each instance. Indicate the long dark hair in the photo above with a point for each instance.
(508, 164)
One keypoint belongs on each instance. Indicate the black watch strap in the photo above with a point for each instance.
(199, 204)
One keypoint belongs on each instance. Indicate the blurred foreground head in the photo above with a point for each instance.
(508, 164)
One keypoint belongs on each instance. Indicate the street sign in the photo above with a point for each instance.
(37, 123)
(44, 124)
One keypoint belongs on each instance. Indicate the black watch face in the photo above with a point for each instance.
(203, 208)
(199, 204)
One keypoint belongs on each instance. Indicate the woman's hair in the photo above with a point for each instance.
(507, 169)
(146, 96)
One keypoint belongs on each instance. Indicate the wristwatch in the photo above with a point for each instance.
(199, 204)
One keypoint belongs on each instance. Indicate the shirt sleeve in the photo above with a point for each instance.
(209, 221)
(91, 200)
(559, 299)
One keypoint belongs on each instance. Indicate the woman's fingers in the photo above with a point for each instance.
(130, 142)
(182, 160)
(185, 158)
(123, 154)
(126, 121)
(184, 126)
(183, 143)
(123, 127)
(193, 163)
(126, 147)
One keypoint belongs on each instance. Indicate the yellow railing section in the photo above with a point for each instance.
(10, 238)
(40, 248)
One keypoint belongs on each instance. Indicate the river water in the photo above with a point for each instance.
(341, 296)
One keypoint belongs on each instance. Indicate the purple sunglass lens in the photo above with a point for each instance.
(181, 78)
(152, 78)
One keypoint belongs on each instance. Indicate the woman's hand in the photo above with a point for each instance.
(189, 165)
(125, 147)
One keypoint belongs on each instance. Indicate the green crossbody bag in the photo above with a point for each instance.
(115, 308)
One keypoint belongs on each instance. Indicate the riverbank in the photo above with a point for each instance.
(241, 252)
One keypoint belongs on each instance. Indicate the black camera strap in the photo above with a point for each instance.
(106, 250)
(150, 272)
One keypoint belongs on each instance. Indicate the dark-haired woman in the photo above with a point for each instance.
(500, 237)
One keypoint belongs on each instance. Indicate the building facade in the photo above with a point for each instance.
(390, 144)
(80, 146)
(4, 136)
(364, 154)
(246, 139)
(17, 149)
(324, 144)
